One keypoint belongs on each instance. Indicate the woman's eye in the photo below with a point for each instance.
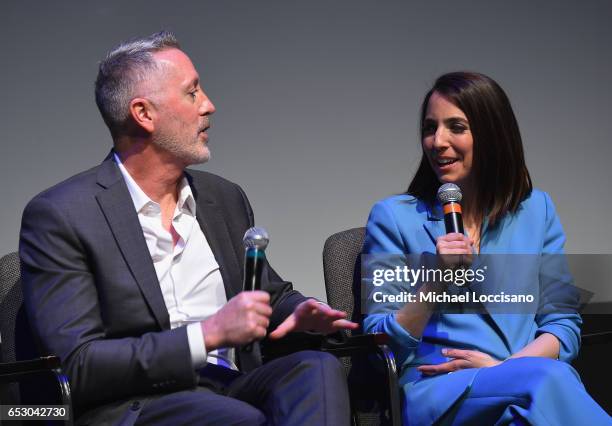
(429, 129)
(458, 128)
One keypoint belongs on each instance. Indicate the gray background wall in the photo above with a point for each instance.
(317, 102)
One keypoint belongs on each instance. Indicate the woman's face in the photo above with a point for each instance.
(447, 141)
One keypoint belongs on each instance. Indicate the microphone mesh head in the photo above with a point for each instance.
(449, 192)
(256, 238)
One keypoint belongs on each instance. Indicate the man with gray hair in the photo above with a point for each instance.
(132, 271)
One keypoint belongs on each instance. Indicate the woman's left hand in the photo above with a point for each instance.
(462, 359)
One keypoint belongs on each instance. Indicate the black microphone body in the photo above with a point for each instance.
(254, 259)
(453, 220)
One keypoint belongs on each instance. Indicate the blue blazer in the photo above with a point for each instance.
(403, 224)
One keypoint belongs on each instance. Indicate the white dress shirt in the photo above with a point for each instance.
(188, 273)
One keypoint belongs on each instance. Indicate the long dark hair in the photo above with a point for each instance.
(499, 170)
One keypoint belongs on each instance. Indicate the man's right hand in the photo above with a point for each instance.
(243, 319)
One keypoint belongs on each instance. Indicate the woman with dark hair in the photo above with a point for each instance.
(507, 368)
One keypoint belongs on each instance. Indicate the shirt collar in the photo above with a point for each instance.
(186, 201)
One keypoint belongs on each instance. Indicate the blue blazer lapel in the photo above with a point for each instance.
(118, 208)
(212, 222)
(434, 226)
(493, 245)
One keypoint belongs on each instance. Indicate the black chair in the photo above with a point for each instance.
(593, 362)
(374, 392)
(34, 373)
(375, 397)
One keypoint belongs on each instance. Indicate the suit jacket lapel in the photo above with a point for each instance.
(212, 221)
(497, 249)
(118, 208)
(434, 226)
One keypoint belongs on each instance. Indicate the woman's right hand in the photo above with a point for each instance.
(454, 250)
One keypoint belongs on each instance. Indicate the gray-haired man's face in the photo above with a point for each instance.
(182, 109)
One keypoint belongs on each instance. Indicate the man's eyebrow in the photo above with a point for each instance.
(194, 83)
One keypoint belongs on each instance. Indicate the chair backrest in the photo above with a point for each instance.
(17, 342)
(11, 300)
(342, 272)
(10, 303)
(341, 269)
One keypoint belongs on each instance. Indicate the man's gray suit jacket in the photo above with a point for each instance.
(92, 295)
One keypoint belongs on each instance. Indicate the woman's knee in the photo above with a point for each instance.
(550, 370)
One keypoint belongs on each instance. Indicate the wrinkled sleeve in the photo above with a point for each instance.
(383, 238)
(561, 321)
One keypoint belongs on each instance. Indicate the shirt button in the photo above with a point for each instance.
(135, 406)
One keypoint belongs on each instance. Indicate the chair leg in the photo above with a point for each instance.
(64, 387)
(394, 401)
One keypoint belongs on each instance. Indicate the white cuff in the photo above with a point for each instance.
(197, 347)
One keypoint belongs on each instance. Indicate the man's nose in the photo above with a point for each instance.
(207, 107)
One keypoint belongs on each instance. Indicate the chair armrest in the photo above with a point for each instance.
(596, 338)
(337, 344)
(45, 363)
(15, 371)
(349, 345)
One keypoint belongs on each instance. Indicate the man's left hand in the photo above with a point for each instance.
(462, 359)
(312, 315)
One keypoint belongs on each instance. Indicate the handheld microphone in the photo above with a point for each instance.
(450, 196)
(255, 241)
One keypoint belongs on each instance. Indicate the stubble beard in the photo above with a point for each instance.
(188, 153)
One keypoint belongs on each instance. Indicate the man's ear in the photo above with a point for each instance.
(143, 113)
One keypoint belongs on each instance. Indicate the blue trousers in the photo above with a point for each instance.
(527, 391)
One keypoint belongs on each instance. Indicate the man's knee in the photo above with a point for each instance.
(313, 390)
(247, 415)
(199, 407)
(317, 360)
